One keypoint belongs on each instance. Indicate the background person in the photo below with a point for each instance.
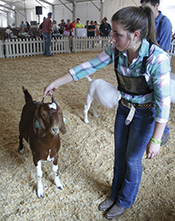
(27, 26)
(91, 29)
(163, 28)
(22, 25)
(41, 27)
(47, 34)
(86, 25)
(68, 27)
(55, 27)
(61, 25)
(104, 28)
(79, 24)
(96, 28)
(142, 114)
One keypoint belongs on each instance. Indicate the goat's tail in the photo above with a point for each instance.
(27, 96)
(89, 79)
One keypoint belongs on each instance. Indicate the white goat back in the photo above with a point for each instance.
(105, 93)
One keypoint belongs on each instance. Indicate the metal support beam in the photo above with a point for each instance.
(3, 11)
(15, 19)
(66, 6)
(25, 13)
(53, 11)
(8, 23)
(3, 6)
(95, 5)
(40, 4)
(15, 10)
(73, 16)
(47, 2)
(101, 10)
(135, 3)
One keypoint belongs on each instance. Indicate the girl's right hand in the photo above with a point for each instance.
(49, 89)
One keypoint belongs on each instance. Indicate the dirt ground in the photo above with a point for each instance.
(86, 155)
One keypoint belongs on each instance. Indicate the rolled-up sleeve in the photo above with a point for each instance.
(161, 82)
(100, 61)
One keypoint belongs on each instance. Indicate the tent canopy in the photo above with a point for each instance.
(14, 11)
(30, 4)
(25, 9)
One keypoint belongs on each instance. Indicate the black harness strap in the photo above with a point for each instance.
(133, 85)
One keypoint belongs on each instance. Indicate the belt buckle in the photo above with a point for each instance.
(126, 103)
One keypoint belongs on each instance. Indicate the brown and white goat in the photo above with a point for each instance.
(40, 125)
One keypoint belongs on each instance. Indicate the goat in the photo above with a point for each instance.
(107, 95)
(40, 125)
(102, 93)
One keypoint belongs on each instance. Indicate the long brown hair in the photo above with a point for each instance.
(137, 18)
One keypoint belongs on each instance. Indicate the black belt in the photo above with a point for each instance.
(132, 107)
(136, 105)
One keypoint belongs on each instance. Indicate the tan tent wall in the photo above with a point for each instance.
(84, 10)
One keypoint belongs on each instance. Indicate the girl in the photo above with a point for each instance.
(143, 73)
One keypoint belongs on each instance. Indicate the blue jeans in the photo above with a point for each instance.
(130, 145)
(47, 40)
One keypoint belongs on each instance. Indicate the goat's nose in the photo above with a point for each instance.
(54, 130)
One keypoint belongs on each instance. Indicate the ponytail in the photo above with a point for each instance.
(137, 18)
(151, 36)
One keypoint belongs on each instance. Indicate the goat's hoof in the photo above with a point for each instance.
(40, 193)
(95, 115)
(86, 121)
(40, 196)
(60, 187)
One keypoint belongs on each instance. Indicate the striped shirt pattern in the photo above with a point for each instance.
(157, 74)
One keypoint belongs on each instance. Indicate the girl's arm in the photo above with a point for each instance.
(50, 88)
(153, 149)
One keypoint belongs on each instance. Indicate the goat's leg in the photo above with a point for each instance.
(21, 147)
(95, 104)
(89, 100)
(56, 178)
(40, 192)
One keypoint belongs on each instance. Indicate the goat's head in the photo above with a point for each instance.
(48, 119)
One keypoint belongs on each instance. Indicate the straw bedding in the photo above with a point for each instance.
(86, 155)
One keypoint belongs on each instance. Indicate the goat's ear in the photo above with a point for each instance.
(62, 127)
(38, 125)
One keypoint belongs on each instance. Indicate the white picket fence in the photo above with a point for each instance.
(31, 47)
(1, 49)
(82, 44)
(172, 50)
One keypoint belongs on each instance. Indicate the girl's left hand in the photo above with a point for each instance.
(152, 150)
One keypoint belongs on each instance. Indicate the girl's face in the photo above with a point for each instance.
(120, 37)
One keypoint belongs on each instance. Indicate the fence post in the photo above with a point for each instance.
(172, 50)
(2, 49)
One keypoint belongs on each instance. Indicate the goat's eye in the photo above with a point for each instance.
(44, 116)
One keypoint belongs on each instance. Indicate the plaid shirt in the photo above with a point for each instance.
(157, 74)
